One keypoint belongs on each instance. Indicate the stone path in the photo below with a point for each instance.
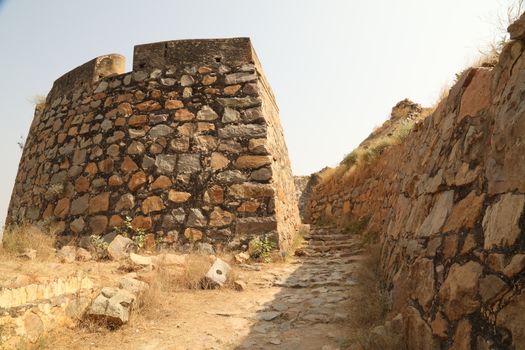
(299, 305)
(311, 310)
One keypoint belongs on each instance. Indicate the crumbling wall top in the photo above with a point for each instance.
(87, 74)
(181, 53)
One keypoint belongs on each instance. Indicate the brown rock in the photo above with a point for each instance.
(137, 180)
(115, 221)
(501, 221)
(252, 162)
(178, 197)
(491, 287)
(209, 79)
(511, 318)
(215, 195)
(106, 165)
(462, 336)
(126, 201)
(458, 292)
(476, 97)
(91, 169)
(232, 90)
(465, 213)
(193, 234)
(62, 208)
(79, 205)
(82, 184)
(255, 225)
(99, 203)
(148, 106)
(98, 224)
(437, 216)
(152, 204)
(248, 207)
(516, 265)
(258, 146)
(184, 115)
(422, 282)
(141, 222)
(128, 165)
(450, 246)
(173, 104)
(220, 218)
(162, 182)
(115, 180)
(203, 127)
(218, 161)
(439, 326)
(138, 120)
(251, 190)
(420, 335)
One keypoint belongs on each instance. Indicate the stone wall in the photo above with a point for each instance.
(188, 144)
(449, 206)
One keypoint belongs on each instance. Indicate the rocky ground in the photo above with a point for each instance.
(300, 304)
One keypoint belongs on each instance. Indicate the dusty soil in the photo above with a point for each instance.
(300, 304)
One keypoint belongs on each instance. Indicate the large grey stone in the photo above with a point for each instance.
(231, 177)
(120, 247)
(437, 216)
(245, 130)
(189, 163)
(237, 78)
(166, 163)
(112, 306)
(207, 113)
(196, 218)
(160, 131)
(240, 102)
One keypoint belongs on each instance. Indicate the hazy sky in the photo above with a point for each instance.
(336, 67)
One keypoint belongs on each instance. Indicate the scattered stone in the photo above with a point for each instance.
(217, 274)
(133, 285)
(113, 306)
(67, 254)
(239, 285)
(120, 247)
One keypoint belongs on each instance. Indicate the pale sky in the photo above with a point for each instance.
(336, 66)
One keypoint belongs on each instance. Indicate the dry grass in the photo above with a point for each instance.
(18, 239)
(370, 302)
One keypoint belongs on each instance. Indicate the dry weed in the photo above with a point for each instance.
(18, 239)
(370, 302)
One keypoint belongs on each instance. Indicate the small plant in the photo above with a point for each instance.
(98, 242)
(138, 235)
(261, 248)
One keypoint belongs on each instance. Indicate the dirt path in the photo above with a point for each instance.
(298, 305)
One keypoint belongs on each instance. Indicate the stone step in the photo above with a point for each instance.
(314, 243)
(327, 247)
(336, 236)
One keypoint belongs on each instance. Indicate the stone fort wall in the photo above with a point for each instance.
(449, 205)
(189, 145)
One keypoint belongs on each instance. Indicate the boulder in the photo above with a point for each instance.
(112, 306)
(133, 285)
(120, 247)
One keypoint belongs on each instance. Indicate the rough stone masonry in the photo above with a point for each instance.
(189, 145)
(449, 204)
